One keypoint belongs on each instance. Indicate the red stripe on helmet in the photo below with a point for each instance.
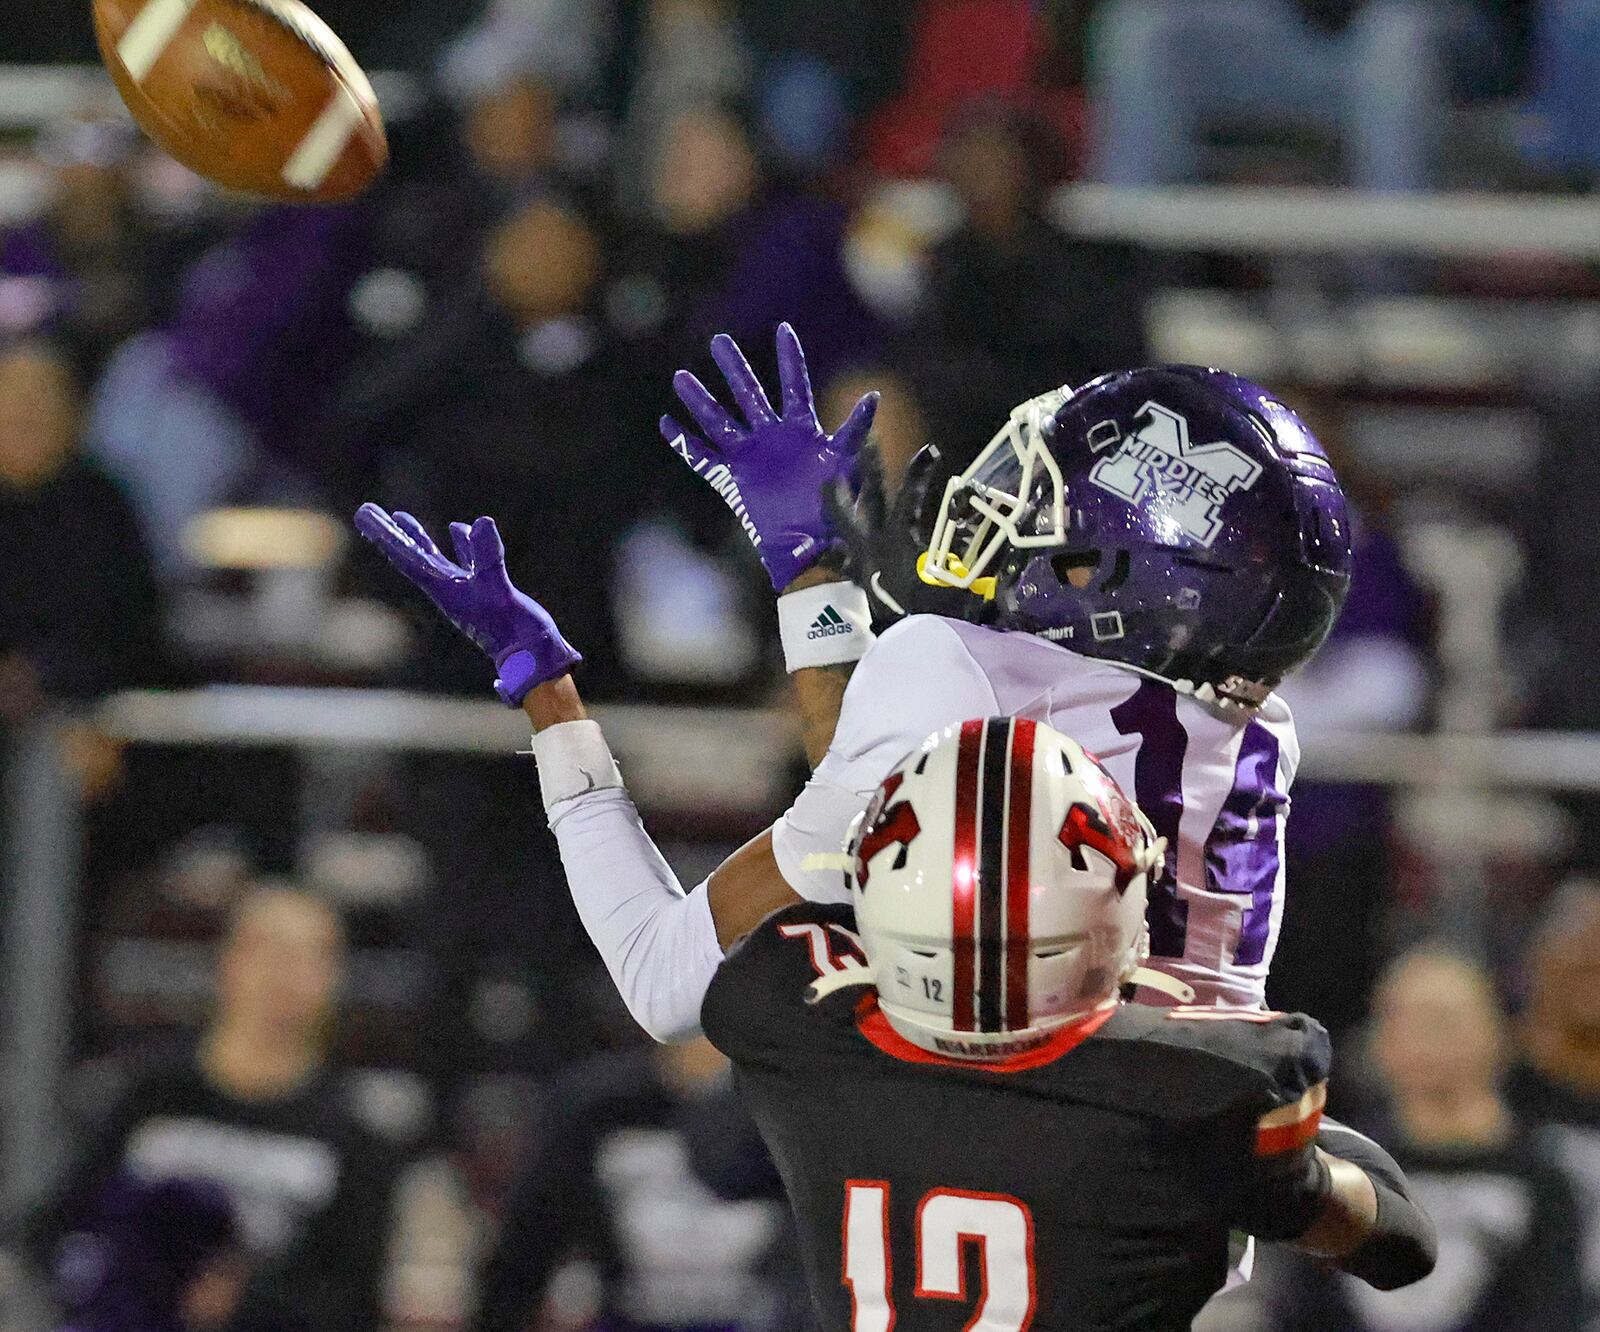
(964, 876)
(1019, 821)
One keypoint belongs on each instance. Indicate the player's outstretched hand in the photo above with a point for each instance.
(770, 469)
(476, 595)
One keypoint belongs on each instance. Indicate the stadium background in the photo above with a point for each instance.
(1383, 210)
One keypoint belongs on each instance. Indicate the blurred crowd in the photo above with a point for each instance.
(196, 391)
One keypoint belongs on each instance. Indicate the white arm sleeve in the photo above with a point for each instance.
(659, 945)
(916, 679)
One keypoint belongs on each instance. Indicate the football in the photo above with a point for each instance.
(259, 96)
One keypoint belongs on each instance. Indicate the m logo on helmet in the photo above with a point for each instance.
(1158, 462)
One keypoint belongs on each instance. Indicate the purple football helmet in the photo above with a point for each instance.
(1177, 519)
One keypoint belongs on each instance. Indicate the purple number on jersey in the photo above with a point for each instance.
(1151, 713)
(1242, 851)
(1241, 854)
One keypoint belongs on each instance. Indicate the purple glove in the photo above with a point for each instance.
(476, 596)
(771, 471)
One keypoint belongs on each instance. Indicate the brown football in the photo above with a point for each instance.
(256, 95)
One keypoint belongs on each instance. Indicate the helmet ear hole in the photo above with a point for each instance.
(1076, 568)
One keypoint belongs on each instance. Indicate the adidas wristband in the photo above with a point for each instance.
(825, 625)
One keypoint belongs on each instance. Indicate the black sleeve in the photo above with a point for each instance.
(1279, 1064)
(1352, 1145)
(1403, 1247)
(756, 1010)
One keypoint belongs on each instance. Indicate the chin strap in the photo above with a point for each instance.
(1235, 698)
(1159, 980)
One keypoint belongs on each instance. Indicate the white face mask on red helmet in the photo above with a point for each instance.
(999, 878)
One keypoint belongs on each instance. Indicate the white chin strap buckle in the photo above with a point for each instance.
(850, 973)
(1168, 985)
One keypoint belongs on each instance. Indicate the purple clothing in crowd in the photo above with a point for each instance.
(787, 265)
(261, 319)
(1384, 602)
(127, 1267)
(33, 290)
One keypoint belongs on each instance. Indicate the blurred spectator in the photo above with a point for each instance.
(815, 66)
(613, 1180)
(562, 43)
(219, 405)
(735, 248)
(509, 128)
(691, 55)
(966, 51)
(84, 269)
(1505, 1215)
(507, 402)
(1557, 1080)
(152, 1257)
(255, 1108)
(79, 611)
(1014, 306)
(1380, 71)
(1562, 133)
(1370, 675)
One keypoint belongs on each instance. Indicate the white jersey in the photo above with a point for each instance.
(1215, 784)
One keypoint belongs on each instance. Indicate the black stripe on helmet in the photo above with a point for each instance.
(991, 874)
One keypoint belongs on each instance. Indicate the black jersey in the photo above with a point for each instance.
(1088, 1184)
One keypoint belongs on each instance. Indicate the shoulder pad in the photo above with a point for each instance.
(764, 991)
(1199, 1062)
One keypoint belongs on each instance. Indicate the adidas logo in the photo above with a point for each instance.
(828, 624)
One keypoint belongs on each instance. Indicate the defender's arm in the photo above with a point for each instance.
(1352, 1208)
(1370, 1225)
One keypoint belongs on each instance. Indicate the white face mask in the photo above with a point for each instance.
(989, 506)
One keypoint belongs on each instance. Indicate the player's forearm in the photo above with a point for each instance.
(1348, 1213)
(658, 943)
(553, 703)
(820, 690)
(818, 696)
(1377, 1231)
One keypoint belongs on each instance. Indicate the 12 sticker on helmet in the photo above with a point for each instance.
(999, 881)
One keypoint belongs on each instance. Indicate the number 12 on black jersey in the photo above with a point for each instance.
(946, 1221)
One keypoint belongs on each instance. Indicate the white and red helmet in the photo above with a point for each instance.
(999, 882)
